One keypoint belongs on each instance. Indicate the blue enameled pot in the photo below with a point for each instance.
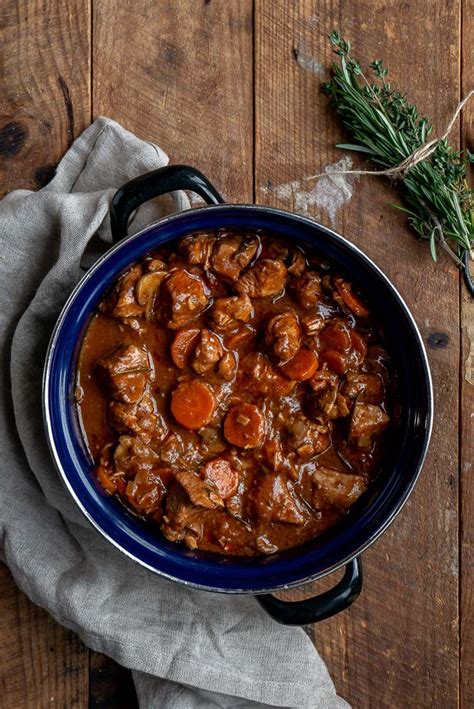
(366, 520)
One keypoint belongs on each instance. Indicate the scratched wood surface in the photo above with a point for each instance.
(233, 88)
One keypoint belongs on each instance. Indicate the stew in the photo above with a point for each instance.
(234, 393)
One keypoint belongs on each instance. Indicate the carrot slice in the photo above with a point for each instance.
(108, 484)
(336, 336)
(234, 341)
(352, 301)
(336, 361)
(182, 346)
(300, 367)
(192, 404)
(221, 474)
(243, 426)
(359, 343)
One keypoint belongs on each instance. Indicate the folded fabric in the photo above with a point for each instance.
(187, 648)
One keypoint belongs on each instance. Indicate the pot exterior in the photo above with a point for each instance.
(366, 520)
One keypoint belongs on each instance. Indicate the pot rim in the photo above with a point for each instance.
(265, 210)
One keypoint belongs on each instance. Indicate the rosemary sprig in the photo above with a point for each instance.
(387, 128)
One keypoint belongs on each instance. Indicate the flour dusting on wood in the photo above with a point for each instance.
(306, 61)
(330, 193)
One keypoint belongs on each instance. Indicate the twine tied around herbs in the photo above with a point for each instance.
(400, 170)
(422, 153)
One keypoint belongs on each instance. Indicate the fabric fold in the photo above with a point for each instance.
(187, 648)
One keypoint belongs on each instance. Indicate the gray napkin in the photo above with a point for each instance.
(187, 648)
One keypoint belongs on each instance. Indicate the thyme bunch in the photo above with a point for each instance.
(388, 130)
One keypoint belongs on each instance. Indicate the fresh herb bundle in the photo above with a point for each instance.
(386, 128)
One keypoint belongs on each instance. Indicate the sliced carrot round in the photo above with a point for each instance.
(192, 404)
(352, 301)
(336, 336)
(244, 426)
(221, 474)
(232, 342)
(183, 344)
(359, 343)
(336, 361)
(300, 367)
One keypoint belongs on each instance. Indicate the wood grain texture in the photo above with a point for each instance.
(41, 663)
(110, 685)
(398, 645)
(45, 81)
(44, 105)
(467, 406)
(188, 81)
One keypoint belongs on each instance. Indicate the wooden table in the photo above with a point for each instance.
(233, 87)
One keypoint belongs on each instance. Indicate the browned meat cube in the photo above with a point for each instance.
(266, 278)
(333, 488)
(259, 376)
(125, 372)
(283, 335)
(182, 520)
(367, 388)
(140, 419)
(122, 302)
(297, 263)
(208, 352)
(199, 493)
(228, 313)
(228, 366)
(186, 295)
(145, 492)
(197, 250)
(308, 289)
(367, 420)
(312, 323)
(232, 254)
(273, 500)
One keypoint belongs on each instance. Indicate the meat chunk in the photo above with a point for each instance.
(124, 373)
(328, 400)
(182, 520)
(228, 313)
(228, 366)
(232, 253)
(333, 488)
(367, 420)
(266, 278)
(140, 419)
(208, 352)
(186, 295)
(297, 263)
(197, 250)
(283, 335)
(367, 388)
(122, 302)
(306, 437)
(145, 492)
(200, 493)
(259, 376)
(308, 289)
(132, 455)
(274, 501)
(312, 323)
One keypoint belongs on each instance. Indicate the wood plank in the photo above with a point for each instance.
(41, 663)
(44, 104)
(398, 645)
(467, 406)
(189, 81)
(189, 89)
(45, 81)
(110, 685)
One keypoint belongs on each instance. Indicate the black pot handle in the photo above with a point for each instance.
(312, 610)
(152, 184)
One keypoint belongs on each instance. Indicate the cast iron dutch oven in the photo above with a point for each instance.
(366, 520)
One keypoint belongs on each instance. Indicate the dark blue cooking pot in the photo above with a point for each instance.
(366, 520)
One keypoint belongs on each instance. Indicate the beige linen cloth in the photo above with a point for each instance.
(186, 648)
